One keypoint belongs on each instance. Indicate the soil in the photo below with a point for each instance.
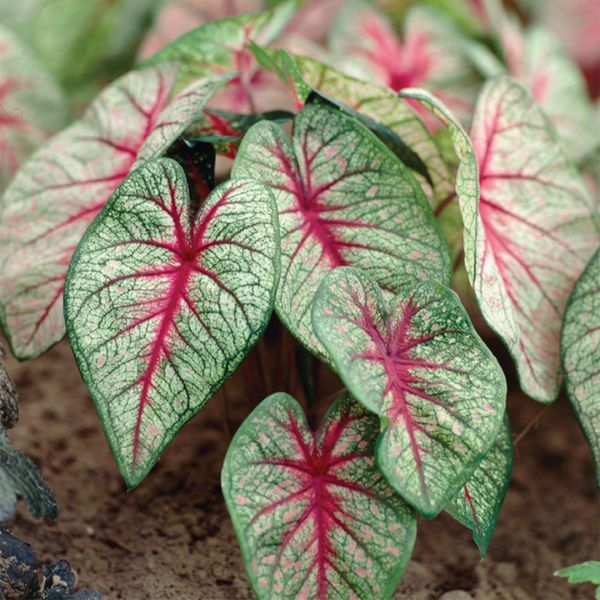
(171, 537)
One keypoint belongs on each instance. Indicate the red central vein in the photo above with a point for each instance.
(472, 508)
(315, 468)
(392, 351)
(159, 348)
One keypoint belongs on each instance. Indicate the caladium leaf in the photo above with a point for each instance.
(223, 47)
(538, 60)
(32, 106)
(478, 504)
(161, 308)
(19, 477)
(431, 53)
(9, 405)
(580, 351)
(419, 365)
(314, 516)
(539, 227)
(343, 198)
(66, 183)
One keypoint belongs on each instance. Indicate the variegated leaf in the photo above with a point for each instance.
(314, 516)
(478, 504)
(419, 365)
(66, 183)
(430, 54)
(538, 60)
(32, 106)
(580, 350)
(343, 198)
(162, 307)
(223, 47)
(539, 229)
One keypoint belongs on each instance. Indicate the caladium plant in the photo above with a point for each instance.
(345, 205)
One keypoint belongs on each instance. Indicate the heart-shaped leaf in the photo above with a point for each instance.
(343, 198)
(478, 504)
(161, 309)
(32, 107)
(539, 228)
(580, 350)
(314, 516)
(67, 182)
(423, 369)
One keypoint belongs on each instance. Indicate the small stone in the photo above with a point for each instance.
(506, 572)
(86, 595)
(18, 567)
(456, 595)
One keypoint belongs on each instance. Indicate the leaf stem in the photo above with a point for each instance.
(529, 425)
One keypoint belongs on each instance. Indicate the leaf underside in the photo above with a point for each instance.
(161, 307)
(343, 198)
(580, 350)
(538, 228)
(423, 369)
(478, 504)
(314, 516)
(67, 182)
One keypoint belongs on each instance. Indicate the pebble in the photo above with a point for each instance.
(456, 595)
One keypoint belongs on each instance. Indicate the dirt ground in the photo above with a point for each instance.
(171, 538)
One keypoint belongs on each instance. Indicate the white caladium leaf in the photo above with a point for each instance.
(538, 60)
(223, 47)
(539, 227)
(419, 364)
(313, 514)
(580, 350)
(178, 18)
(430, 54)
(32, 106)
(478, 504)
(66, 183)
(161, 307)
(343, 198)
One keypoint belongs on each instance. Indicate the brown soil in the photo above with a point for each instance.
(171, 538)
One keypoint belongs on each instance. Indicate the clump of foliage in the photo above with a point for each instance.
(364, 183)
